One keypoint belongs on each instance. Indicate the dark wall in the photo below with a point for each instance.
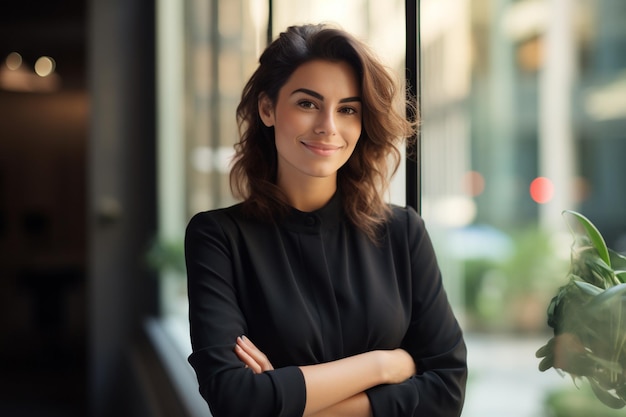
(42, 249)
(122, 198)
(78, 212)
(43, 137)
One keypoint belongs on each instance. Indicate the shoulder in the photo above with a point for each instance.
(231, 223)
(406, 227)
(223, 220)
(216, 214)
(405, 218)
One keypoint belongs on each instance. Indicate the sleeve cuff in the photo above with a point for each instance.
(393, 400)
(290, 390)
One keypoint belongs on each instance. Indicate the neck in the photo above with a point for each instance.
(309, 195)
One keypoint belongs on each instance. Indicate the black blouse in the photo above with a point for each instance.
(312, 289)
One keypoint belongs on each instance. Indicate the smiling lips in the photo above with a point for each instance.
(321, 148)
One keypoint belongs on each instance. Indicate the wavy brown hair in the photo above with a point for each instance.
(364, 179)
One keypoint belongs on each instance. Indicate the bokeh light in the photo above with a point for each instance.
(473, 183)
(541, 190)
(13, 61)
(44, 66)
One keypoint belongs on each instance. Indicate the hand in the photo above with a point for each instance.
(397, 366)
(251, 356)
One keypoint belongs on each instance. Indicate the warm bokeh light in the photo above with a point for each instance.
(541, 190)
(44, 66)
(13, 61)
(17, 75)
(581, 189)
(454, 211)
(473, 183)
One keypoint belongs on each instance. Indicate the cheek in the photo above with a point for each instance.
(291, 125)
(353, 134)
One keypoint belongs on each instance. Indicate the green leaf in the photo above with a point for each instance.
(618, 261)
(606, 397)
(593, 233)
(546, 363)
(607, 296)
(611, 366)
(546, 349)
(588, 288)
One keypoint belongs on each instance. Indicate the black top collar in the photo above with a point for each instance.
(327, 217)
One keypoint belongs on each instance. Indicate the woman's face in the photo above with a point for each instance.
(316, 119)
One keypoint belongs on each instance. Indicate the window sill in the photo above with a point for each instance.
(171, 343)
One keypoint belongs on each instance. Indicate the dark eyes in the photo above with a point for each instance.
(307, 104)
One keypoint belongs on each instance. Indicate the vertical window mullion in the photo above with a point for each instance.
(270, 23)
(412, 74)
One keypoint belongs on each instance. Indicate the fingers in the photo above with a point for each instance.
(255, 353)
(251, 356)
(247, 360)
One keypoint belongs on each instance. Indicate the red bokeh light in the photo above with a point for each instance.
(541, 190)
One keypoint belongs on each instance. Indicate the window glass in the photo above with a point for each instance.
(520, 121)
(207, 49)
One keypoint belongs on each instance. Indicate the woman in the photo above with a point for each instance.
(313, 297)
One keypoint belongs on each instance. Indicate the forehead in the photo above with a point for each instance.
(325, 77)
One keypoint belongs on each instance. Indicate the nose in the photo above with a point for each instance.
(325, 124)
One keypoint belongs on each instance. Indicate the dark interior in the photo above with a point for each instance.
(43, 137)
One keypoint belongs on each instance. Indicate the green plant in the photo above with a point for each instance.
(167, 255)
(502, 292)
(581, 402)
(588, 316)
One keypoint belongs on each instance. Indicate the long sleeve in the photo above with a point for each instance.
(434, 338)
(216, 320)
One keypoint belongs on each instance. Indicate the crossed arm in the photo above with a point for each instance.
(337, 388)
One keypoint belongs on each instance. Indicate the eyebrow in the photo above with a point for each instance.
(321, 97)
